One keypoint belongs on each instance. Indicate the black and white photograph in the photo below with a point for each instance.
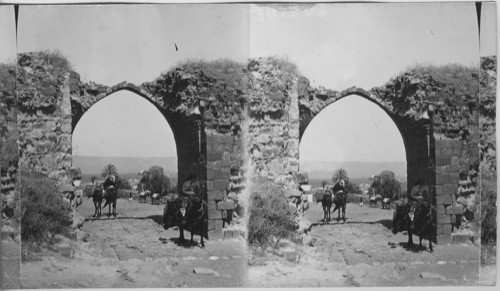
(248, 145)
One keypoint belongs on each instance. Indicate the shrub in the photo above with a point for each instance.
(56, 59)
(270, 215)
(225, 70)
(43, 211)
(488, 211)
(354, 198)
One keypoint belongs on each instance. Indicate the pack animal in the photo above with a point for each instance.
(326, 203)
(97, 194)
(143, 196)
(386, 202)
(189, 214)
(423, 224)
(340, 201)
(155, 198)
(374, 200)
(111, 196)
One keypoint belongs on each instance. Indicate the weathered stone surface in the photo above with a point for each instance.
(205, 271)
(429, 275)
(455, 210)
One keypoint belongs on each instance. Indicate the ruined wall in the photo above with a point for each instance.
(273, 120)
(436, 111)
(203, 104)
(9, 177)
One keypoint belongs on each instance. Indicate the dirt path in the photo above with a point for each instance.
(128, 252)
(364, 252)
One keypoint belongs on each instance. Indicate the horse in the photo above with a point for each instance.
(326, 203)
(97, 199)
(111, 195)
(155, 198)
(96, 194)
(340, 201)
(186, 213)
(143, 196)
(374, 200)
(422, 225)
(386, 202)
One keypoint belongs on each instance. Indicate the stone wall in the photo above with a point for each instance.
(203, 104)
(436, 111)
(273, 120)
(9, 178)
(245, 121)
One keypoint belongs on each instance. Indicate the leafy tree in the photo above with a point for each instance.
(340, 174)
(386, 185)
(109, 170)
(155, 180)
(93, 179)
(353, 188)
(122, 183)
(323, 184)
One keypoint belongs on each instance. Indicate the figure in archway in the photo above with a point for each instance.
(340, 198)
(110, 194)
(423, 222)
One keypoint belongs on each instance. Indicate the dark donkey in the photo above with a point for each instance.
(326, 203)
(340, 201)
(97, 199)
(111, 195)
(190, 214)
(423, 223)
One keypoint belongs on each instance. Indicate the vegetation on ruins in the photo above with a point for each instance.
(270, 216)
(44, 213)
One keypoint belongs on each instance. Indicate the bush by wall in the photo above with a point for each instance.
(43, 211)
(270, 215)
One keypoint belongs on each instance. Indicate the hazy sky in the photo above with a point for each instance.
(143, 131)
(7, 34)
(344, 138)
(335, 45)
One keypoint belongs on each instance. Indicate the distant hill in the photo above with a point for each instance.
(91, 165)
(355, 170)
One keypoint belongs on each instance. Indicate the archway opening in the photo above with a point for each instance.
(357, 136)
(128, 132)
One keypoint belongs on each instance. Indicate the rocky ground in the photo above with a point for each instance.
(361, 252)
(134, 250)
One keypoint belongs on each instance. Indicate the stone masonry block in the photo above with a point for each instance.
(440, 209)
(210, 185)
(214, 156)
(211, 224)
(443, 161)
(214, 195)
(218, 224)
(450, 189)
(445, 178)
(221, 184)
(214, 214)
(458, 209)
(443, 219)
(212, 204)
(443, 239)
(443, 199)
(439, 190)
(447, 229)
(440, 229)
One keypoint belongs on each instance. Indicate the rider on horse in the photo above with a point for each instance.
(339, 187)
(110, 183)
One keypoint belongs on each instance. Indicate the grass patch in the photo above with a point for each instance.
(228, 71)
(458, 78)
(270, 216)
(43, 211)
(56, 59)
